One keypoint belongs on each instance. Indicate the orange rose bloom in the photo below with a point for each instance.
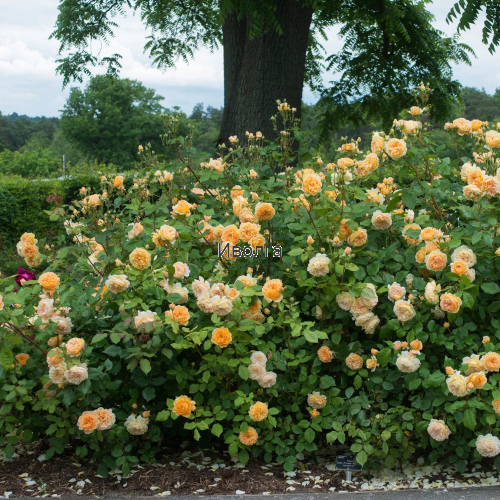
(450, 303)
(140, 258)
(49, 281)
(55, 359)
(436, 260)
(478, 380)
(428, 233)
(22, 358)
(74, 346)
(258, 411)
(496, 405)
(314, 413)
(491, 361)
(118, 182)
(325, 355)
(221, 337)
(182, 208)
(264, 211)
(354, 361)
(249, 437)
(183, 406)
(459, 267)
(179, 314)
(420, 256)
(231, 234)
(395, 148)
(88, 421)
(272, 290)
(236, 191)
(377, 144)
(416, 345)
(248, 230)
(411, 241)
(311, 184)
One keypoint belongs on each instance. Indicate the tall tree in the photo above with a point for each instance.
(273, 47)
(110, 117)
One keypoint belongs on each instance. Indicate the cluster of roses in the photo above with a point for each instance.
(479, 183)
(361, 307)
(27, 249)
(65, 365)
(475, 127)
(461, 385)
(96, 420)
(258, 372)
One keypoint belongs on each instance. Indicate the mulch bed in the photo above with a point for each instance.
(187, 472)
(212, 472)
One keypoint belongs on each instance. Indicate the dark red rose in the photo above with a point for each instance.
(24, 275)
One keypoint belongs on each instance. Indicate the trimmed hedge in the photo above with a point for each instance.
(22, 205)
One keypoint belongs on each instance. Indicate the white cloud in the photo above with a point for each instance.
(28, 83)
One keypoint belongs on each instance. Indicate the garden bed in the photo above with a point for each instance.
(212, 472)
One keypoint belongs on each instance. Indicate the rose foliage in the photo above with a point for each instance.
(376, 327)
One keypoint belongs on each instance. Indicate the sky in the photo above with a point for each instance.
(29, 84)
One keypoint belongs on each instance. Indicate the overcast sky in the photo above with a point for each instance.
(29, 84)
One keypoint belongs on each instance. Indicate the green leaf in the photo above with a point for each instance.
(217, 430)
(145, 365)
(309, 435)
(470, 418)
(162, 416)
(392, 204)
(384, 356)
(361, 457)
(490, 288)
(435, 379)
(148, 393)
(6, 357)
(243, 372)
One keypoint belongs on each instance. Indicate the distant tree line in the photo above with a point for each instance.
(106, 121)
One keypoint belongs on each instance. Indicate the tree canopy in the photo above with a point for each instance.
(110, 117)
(389, 47)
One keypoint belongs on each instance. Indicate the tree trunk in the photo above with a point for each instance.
(258, 72)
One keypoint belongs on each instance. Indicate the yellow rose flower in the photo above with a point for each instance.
(183, 406)
(140, 258)
(450, 303)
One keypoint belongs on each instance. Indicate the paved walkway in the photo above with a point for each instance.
(479, 493)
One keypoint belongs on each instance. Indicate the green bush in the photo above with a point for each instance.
(30, 164)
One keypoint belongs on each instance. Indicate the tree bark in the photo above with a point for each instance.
(258, 72)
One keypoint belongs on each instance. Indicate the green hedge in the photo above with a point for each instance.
(22, 205)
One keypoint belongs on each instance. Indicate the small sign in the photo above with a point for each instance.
(347, 462)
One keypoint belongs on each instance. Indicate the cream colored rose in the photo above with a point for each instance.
(472, 193)
(457, 384)
(407, 363)
(438, 430)
(396, 292)
(56, 373)
(375, 196)
(490, 186)
(45, 308)
(465, 254)
(64, 325)
(76, 374)
(143, 318)
(381, 220)
(377, 144)
(488, 445)
(403, 310)
(431, 292)
(117, 283)
(318, 265)
(492, 139)
(345, 301)
(221, 306)
(256, 371)
(200, 287)
(267, 380)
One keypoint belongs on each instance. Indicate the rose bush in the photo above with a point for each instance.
(375, 328)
